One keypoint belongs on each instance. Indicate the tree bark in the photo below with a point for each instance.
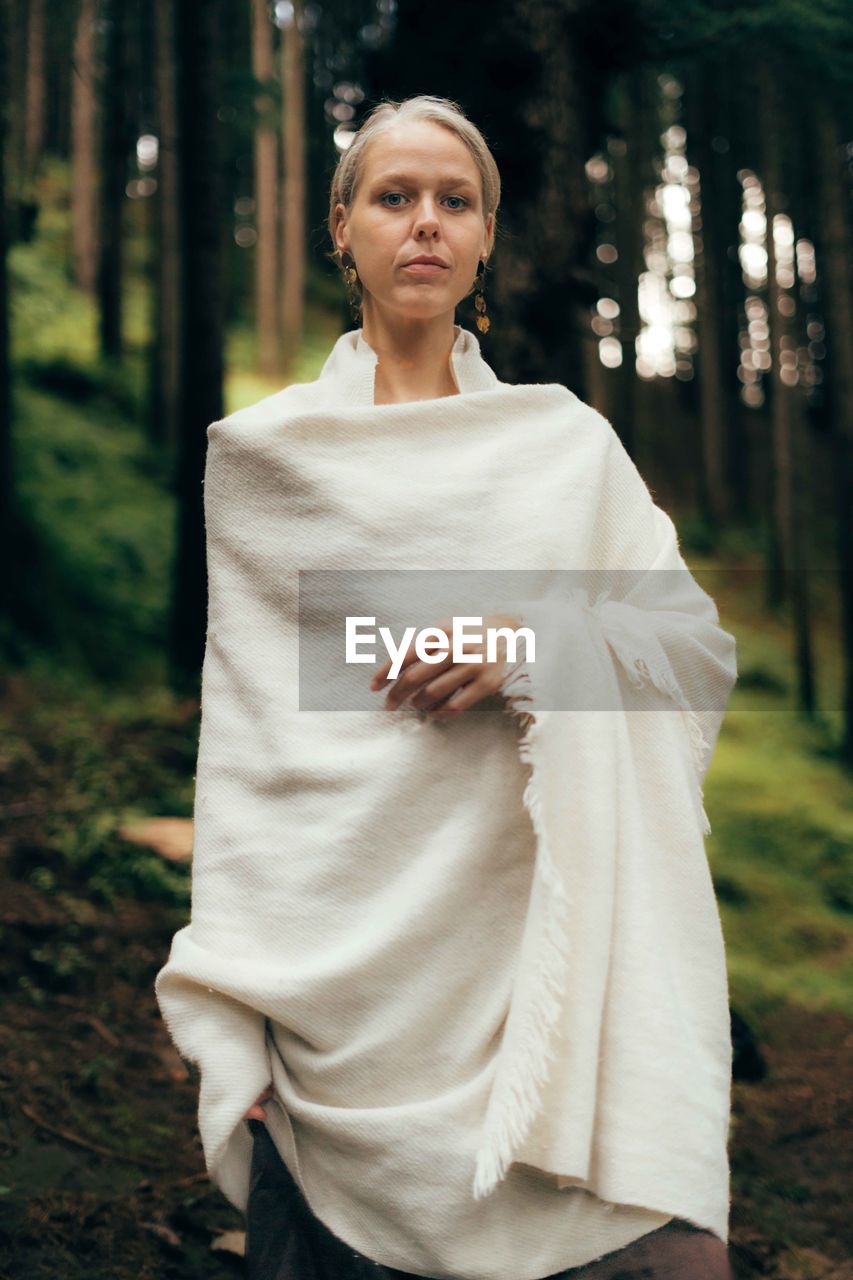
(633, 172)
(84, 231)
(35, 112)
(790, 520)
(834, 253)
(545, 284)
(164, 406)
(19, 212)
(7, 484)
(293, 202)
(733, 103)
(203, 222)
(113, 129)
(266, 193)
(714, 374)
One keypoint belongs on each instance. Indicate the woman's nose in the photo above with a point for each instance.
(426, 215)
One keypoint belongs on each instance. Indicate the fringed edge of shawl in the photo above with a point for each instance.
(520, 1092)
(640, 672)
(516, 1105)
(653, 666)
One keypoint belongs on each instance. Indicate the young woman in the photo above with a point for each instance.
(423, 954)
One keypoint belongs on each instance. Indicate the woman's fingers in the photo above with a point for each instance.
(411, 667)
(482, 686)
(447, 688)
(444, 686)
(410, 682)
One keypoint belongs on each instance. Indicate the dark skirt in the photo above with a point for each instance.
(285, 1241)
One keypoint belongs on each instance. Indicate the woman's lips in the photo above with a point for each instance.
(423, 268)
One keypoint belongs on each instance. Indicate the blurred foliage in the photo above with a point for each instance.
(103, 566)
(818, 37)
(99, 571)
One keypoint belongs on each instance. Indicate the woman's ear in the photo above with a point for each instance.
(490, 236)
(340, 229)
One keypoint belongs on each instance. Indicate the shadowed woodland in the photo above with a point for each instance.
(674, 245)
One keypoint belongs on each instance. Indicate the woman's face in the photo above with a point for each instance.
(419, 193)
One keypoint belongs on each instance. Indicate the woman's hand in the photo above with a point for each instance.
(445, 689)
(256, 1111)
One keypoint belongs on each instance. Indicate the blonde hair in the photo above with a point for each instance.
(350, 166)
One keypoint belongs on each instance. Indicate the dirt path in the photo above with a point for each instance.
(100, 1161)
(792, 1153)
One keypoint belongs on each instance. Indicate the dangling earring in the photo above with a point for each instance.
(351, 280)
(483, 322)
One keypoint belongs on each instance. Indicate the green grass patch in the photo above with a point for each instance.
(781, 853)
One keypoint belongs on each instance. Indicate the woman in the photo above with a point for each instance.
(419, 958)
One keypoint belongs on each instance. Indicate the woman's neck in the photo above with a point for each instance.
(414, 366)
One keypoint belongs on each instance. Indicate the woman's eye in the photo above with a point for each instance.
(394, 195)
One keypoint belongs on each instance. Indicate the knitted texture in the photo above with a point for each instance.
(611, 1064)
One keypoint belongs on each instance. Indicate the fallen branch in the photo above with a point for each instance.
(83, 1142)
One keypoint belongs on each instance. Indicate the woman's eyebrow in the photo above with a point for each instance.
(407, 179)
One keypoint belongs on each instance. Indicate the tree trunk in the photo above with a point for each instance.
(266, 193)
(34, 119)
(164, 408)
(544, 287)
(15, 90)
(834, 254)
(84, 231)
(7, 484)
(633, 173)
(113, 178)
(203, 223)
(789, 469)
(714, 376)
(733, 104)
(293, 202)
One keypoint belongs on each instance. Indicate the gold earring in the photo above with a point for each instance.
(483, 322)
(351, 280)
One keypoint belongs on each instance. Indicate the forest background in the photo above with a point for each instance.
(676, 248)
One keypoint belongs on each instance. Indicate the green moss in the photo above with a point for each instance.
(781, 852)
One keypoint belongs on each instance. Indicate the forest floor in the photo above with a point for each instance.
(100, 1163)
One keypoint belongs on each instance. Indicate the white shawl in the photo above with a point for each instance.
(614, 1067)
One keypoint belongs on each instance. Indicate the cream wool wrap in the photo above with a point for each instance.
(612, 1070)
